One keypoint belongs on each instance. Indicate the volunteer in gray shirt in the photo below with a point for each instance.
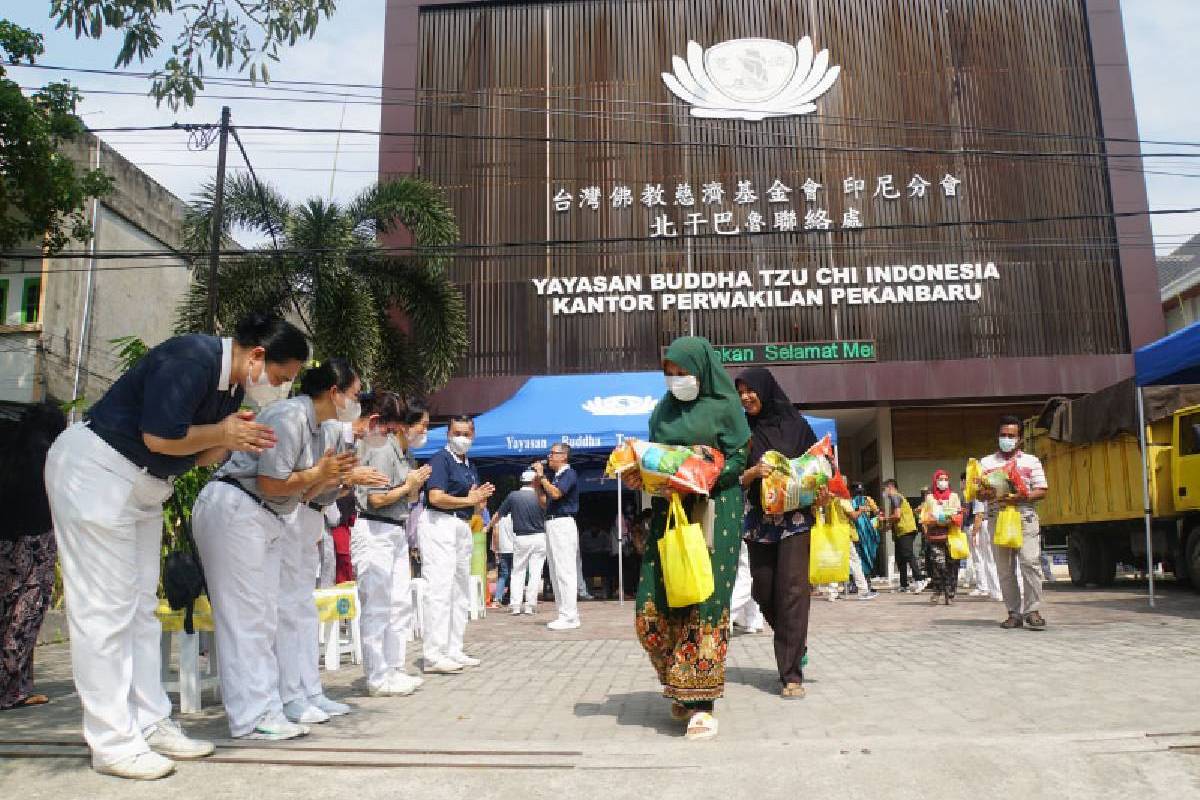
(379, 543)
(529, 543)
(240, 531)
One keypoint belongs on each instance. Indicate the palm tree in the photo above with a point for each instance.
(395, 316)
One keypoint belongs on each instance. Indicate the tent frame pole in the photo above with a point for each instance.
(1147, 510)
(620, 546)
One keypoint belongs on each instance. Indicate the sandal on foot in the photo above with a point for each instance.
(702, 725)
(793, 690)
(680, 712)
(1034, 621)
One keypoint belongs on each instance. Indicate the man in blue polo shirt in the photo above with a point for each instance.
(560, 495)
(453, 497)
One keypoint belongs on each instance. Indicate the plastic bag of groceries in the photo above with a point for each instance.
(667, 468)
(794, 483)
(1005, 480)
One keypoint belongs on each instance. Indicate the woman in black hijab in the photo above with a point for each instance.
(778, 543)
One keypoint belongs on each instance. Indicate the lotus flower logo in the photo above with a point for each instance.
(619, 405)
(751, 79)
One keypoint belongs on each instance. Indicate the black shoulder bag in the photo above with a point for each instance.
(183, 575)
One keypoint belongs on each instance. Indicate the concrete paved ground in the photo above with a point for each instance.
(905, 700)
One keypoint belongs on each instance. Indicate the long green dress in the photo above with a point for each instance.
(687, 646)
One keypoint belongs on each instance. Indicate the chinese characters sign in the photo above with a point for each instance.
(743, 208)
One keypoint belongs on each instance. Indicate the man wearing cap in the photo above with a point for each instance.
(560, 495)
(524, 509)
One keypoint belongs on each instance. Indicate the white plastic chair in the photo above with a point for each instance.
(189, 683)
(330, 635)
(478, 604)
(420, 589)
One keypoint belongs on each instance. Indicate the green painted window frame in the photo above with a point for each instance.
(36, 284)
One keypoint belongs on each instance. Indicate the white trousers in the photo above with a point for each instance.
(529, 554)
(856, 574)
(240, 546)
(446, 548)
(984, 558)
(562, 546)
(742, 608)
(296, 635)
(380, 555)
(108, 522)
(583, 590)
(328, 571)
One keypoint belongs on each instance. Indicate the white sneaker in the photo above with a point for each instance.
(530, 610)
(918, 587)
(148, 766)
(166, 738)
(561, 624)
(516, 612)
(868, 596)
(444, 667)
(394, 685)
(331, 707)
(273, 727)
(303, 713)
(417, 680)
(465, 660)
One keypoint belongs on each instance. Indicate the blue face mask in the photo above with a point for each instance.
(1008, 444)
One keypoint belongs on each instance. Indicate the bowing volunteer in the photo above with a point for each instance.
(240, 528)
(107, 479)
(379, 542)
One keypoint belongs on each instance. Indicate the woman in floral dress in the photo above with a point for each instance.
(687, 646)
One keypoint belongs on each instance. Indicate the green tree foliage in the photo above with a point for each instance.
(241, 34)
(398, 318)
(42, 194)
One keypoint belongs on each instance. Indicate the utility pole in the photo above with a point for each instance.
(214, 257)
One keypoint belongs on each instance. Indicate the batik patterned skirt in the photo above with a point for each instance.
(687, 646)
(26, 581)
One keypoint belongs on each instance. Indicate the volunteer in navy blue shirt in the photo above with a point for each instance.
(560, 493)
(453, 496)
(107, 479)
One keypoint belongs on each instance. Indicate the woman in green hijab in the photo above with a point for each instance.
(687, 646)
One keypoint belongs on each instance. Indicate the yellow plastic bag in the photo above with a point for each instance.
(957, 542)
(686, 565)
(1008, 528)
(829, 549)
(971, 482)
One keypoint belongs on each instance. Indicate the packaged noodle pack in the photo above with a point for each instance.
(794, 483)
(666, 468)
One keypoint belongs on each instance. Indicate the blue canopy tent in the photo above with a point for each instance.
(1172, 360)
(592, 413)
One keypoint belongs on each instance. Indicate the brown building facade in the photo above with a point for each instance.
(597, 152)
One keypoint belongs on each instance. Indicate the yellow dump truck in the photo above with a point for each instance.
(1093, 464)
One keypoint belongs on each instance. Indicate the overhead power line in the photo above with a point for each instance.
(671, 108)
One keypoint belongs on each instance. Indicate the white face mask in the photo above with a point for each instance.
(460, 444)
(349, 412)
(259, 391)
(1008, 444)
(686, 388)
(374, 439)
(417, 440)
(943, 485)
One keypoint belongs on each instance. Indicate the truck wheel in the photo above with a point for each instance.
(1193, 558)
(1103, 569)
(1179, 562)
(1077, 560)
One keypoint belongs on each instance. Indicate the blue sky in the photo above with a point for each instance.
(349, 49)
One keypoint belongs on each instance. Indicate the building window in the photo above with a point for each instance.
(31, 303)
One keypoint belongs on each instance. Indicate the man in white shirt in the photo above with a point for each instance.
(1023, 601)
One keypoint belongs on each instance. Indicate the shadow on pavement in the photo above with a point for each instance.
(641, 709)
